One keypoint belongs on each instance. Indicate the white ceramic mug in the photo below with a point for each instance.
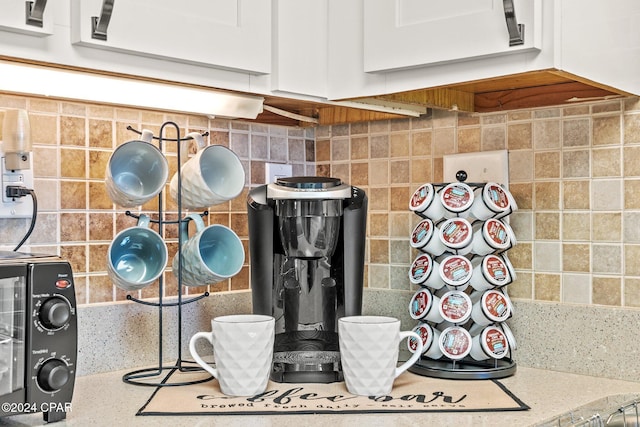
(137, 172)
(213, 254)
(213, 176)
(369, 353)
(136, 257)
(242, 352)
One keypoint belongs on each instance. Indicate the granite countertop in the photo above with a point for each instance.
(104, 400)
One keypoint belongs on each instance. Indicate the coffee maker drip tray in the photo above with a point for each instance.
(306, 356)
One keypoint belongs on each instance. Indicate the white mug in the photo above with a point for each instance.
(369, 353)
(213, 254)
(137, 172)
(213, 176)
(242, 351)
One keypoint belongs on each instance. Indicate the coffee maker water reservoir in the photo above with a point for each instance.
(307, 246)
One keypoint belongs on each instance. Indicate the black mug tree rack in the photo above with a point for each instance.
(153, 376)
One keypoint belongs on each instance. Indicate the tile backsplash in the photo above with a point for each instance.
(574, 170)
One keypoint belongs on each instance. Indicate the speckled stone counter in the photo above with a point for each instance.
(589, 340)
(104, 400)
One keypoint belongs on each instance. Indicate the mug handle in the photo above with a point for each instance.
(414, 358)
(184, 226)
(147, 135)
(192, 349)
(184, 145)
(144, 221)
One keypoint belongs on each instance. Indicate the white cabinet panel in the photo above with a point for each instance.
(230, 34)
(13, 17)
(400, 34)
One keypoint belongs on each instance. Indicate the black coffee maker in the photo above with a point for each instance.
(306, 247)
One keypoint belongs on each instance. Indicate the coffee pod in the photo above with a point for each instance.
(511, 339)
(426, 203)
(492, 307)
(456, 234)
(424, 306)
(457, 199)
(456, 271)
(425, 237)
(455, 307)
(455, 342)
(491, 202)
(493, 236)
(424, 272)
(430, 337)
(491, 272)
(491, 343)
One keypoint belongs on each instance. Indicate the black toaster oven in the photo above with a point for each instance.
(38, 335)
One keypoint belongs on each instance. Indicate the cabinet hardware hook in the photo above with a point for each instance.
(516, 31)
(34, 11)
(100, 24)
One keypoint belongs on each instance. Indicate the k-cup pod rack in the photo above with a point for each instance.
(157, 375)
(461, 271)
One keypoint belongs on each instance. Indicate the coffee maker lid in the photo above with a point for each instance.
(308, 187)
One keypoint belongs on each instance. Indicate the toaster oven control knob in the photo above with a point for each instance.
(54, 313)
(53, 375)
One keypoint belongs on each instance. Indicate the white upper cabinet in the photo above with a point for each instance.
(401, 34)
(27, 17)
(226, 34)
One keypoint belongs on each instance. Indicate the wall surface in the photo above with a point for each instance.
(574, 171)
(77, 220)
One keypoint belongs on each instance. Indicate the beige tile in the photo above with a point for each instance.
(575, 164)
(494, 138)
(98, 197)
(360, 174)
(359, 128)
(547, 287)
(400, 253)
(421, 171)
(379, 146)
(546, 113)
(400, 224)
(47, 193)
(379, 251)
(631, 231)
(576, 226)
(576, 195)
(607, 258)
(399, 278)
(606, 195)
(631, 161)
(339, 149)
(576, 257)
(521, 256)
(44, 129)
(379, 199)
(546, 134)
(631, 194)
(607, 290)
(523, 193)
(323, 150)
(45, 230)
(444, 141)
(469, 140)
(378, 276)
(467, 119)
(631, 292)
(45, 162)
(606, 107)
(75, 195)
(360, 148)
(421, 143)
(606, 130)
(73, 227)
(547, 226)
(575, 132)
(100, 289)
(519, 136)
(399, 199)
(399, 145)
(576, 288)
(493, 118)
(547, 256)
(522, 224)
(520, 166)
(606, 162)
(379, 224)
(607, 227)
(72, 131)
(400, 172)
(576, 110)
(518, 115)
(523, 286)
(631, 260)
(547, 164)
(547, 195)
(379, 172)
(631, 128)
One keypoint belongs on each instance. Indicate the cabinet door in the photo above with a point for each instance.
(229, 34)
(412, 33)
(13, 17)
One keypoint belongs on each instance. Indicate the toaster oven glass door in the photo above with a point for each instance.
(13, 288)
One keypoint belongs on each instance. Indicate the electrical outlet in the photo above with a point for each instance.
(273, 171)
(479, 167)
(19, 207)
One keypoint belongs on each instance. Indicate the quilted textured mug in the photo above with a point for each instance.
(213, 176)
(242, 352)
(369, 353)
(213, 254)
